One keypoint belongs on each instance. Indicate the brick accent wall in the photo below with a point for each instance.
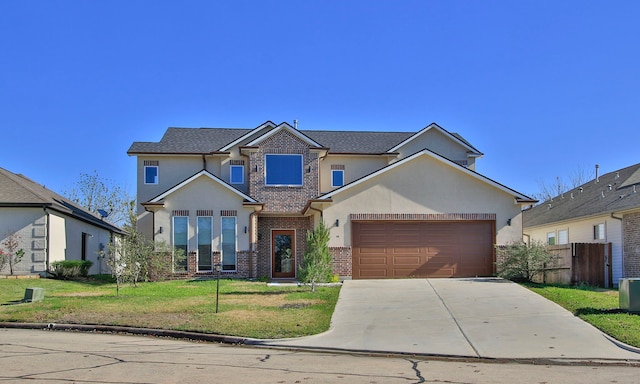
(342, 261)
(423, 216)
(265, 225)
(245, 267)
(283, 199)
(631, 241)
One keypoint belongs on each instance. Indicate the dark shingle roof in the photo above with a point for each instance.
(208, 140)
(358, 141)
(19, 191)
(190, 140)
(611, 192)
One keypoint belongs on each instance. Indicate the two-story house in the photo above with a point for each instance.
(398, 204)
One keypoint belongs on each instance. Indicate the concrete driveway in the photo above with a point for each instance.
(483, 317)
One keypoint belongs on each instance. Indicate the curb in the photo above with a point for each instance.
(128, 330)
(268, 344)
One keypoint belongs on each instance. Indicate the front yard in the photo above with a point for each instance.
(598, 307)
(247, 309)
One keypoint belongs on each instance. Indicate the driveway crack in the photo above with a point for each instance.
(417, 371)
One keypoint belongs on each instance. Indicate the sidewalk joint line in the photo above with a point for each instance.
(454, 319)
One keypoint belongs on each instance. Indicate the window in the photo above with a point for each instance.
(228, 243)
(150, 174)
(598, 232)
(563, 237)
(551, 238)
(180, 242)
(205, 234)
(337, 177)
(237, 174)
(283, 170)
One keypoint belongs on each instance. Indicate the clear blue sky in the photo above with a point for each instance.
(541, 87)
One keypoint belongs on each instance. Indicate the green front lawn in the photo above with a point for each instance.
(597, 307)
(247, 309)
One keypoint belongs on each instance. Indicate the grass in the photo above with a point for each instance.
(597, 307)
(247, 309)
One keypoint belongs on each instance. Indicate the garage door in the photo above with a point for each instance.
(393, 249)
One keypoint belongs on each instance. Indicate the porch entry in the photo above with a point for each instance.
(283, 252)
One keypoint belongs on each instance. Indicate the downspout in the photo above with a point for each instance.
(204, 162)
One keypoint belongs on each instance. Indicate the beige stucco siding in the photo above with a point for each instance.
(424, 185)
(581, 231)
(437, 142)
(171, 171)
(355, 167)
(203, 194)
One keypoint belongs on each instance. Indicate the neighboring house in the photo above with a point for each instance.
(397, 203)
(49, 227)
(603, 210)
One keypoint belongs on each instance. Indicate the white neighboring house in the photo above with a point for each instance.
(49, 227)
(603, 210)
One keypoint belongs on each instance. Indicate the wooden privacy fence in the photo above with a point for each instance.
(581, 263)
(591, 264)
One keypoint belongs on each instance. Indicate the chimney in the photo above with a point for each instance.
(295, 124)
(597, 177)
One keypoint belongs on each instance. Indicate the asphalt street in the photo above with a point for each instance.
(54, 357)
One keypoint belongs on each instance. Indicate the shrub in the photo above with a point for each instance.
(520, 262)
(67, 269)
(316, 264)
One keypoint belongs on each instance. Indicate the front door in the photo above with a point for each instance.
(283, 253)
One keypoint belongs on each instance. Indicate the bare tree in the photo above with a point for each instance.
(576, 178)
(93, 192)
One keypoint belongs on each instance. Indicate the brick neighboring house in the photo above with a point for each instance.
(603, 210)
(49, 226)
(397, 203)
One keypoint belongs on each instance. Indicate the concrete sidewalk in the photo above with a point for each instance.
(484, 317)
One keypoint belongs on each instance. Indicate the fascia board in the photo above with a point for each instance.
(426, 152)
(289, 128)
(442, 130)
(196, 176)
(247, 135)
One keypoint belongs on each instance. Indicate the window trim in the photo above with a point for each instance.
(235, 243)
(333, 183)
(551, 235)
(231, 180)
(157, 176)
(266, 170)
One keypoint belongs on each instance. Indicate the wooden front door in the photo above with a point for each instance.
(283, 253)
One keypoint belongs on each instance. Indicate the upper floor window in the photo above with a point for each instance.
(551, 238)
(237, 174)
(337, 177)
(598, 232)
(283, 170)
(563, 236)
(151, 174)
